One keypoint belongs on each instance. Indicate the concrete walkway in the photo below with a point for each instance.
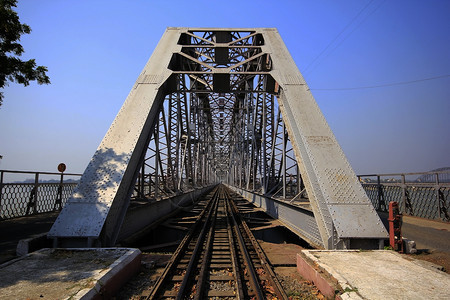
(68, 273)
(385, 274)
(374, 275)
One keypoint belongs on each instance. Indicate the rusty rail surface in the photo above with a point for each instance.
(425, 195)
(45, 192)
(218, 258)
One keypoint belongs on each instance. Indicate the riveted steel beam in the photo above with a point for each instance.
(220, 104)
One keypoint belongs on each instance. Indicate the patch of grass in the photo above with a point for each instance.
(349, 290)
(293, 293)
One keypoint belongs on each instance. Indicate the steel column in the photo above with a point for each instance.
(203, 110)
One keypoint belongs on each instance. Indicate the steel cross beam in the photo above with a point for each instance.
(221, 104)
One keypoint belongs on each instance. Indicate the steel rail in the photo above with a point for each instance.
(247, 259)
(218, 228)
(264, 261)
(201, 282)
(234, 257)
(178, 253)
(195, 254)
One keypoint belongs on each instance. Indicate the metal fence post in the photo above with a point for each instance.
(1, 194)
(32, 202)
(36, 193)
(58, 200)
(404, 193)
(436, 190)
(379, 192)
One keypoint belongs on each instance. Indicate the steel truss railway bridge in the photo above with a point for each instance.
(220, 105)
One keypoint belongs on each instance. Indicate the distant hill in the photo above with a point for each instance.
(444, 177)
(31, 180)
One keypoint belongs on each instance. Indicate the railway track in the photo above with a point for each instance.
(219, 258)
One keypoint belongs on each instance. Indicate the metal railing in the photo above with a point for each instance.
(424, 195)
(45, 192)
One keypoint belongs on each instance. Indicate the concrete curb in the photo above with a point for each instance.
(311, 273)
(107, 285)
(32, 244)
(324, 277)
(108, 270)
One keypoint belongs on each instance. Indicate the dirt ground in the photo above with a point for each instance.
(283, 256)
(152, 266)
(435, 257)
(432, 240)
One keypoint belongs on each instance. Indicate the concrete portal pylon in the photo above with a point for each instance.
(221, 104)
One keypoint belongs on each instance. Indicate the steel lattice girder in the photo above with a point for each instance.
(205, 102)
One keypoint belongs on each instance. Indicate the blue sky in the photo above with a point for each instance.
(95, 50)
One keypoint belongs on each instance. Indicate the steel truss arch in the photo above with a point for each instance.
(221, 105)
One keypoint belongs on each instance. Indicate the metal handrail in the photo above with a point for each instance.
(43, 173)
(406, 174)
(426, 199)
(18, 199)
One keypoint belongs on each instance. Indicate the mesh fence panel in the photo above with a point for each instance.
(21, 199)
(430, 202)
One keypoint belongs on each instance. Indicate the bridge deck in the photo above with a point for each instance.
(432, 237)
(14, 230)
